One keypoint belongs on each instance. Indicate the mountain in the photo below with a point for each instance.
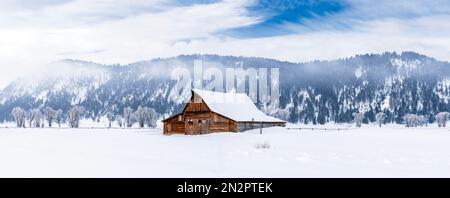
(313, 92)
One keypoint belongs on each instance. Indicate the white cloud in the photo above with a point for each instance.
(370, 9)
(427, 35)
(107, 32)
(125, 31)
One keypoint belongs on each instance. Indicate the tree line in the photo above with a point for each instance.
(37, 118)
(410, 120)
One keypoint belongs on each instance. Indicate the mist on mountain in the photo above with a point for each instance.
(314, 92)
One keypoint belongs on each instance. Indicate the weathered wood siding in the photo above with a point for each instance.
(245, 126)
(197, 118)
(222, 124)
(174, 125)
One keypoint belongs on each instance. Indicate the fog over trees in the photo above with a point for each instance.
(315, 92)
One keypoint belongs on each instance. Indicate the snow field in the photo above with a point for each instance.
(391, 151)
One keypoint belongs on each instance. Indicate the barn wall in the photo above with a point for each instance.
(194, 120)
(173, 125)
(245, 126)
(196, 107)
(200, 119)
(197, 122)
(222, 124)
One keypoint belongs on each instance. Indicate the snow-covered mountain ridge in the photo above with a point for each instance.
(313, 92)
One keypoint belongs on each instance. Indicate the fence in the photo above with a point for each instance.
(318, 129)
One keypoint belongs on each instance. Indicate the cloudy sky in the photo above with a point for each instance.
(33, 33)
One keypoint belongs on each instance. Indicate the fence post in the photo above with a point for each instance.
(253, 123)
(260, 127)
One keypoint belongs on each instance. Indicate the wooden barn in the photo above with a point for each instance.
(212, 112)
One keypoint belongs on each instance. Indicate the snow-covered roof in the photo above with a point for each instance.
(236, 106)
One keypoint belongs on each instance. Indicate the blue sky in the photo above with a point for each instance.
(319, 15)
(124, 31)
(277, 13)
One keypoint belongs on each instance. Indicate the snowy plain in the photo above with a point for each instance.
(370, 151)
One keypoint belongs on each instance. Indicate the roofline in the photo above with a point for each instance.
(261, 122)
(194, 91)
(170, 117)
(248, 121)
(192, 95)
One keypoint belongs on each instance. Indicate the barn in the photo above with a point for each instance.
(213, 112)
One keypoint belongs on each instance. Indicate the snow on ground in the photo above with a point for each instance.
(392, 151)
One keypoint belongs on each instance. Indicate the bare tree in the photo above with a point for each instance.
(59, 117)
(423, 120)
(30, 118)
(128, 117)
(111, 118)
(75, 116)
(140, 115)
(119, 120)
(380, 117)
(441, 118)
(49, 115)
(358, 118)
(408, 120)
(150, 117)
(43, 119)
(411, 120)
(37, 118)
(19, 116)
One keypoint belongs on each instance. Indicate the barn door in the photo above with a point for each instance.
(199, 126)
(204, 127)
(190, 128)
